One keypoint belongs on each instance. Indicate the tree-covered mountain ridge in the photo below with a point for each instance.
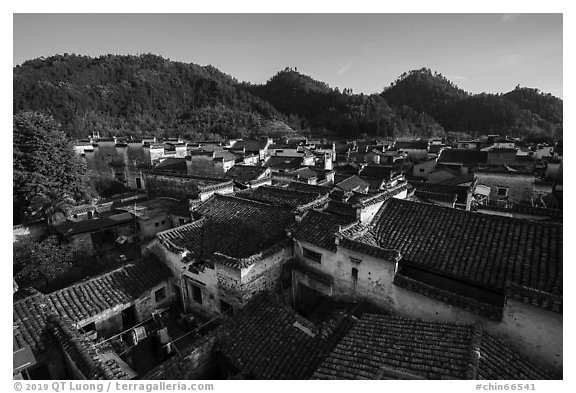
(147, 94)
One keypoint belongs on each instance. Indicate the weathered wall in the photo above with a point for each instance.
(520, 187)
(147, 303)
(148, 227)
(264, 275)
(202, 360)
(535, 332)
(207, 281)
(170, 186)
(422, 169)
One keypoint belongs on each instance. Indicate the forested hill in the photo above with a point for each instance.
(147, 94)
(318, 107)
(523, 111)
(138, 95)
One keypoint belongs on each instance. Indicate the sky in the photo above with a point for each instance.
(366, 52)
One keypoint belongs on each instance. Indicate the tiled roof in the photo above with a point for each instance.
(81, 351)
(235, 227)
(484, 250)
(341, 209)
(319, 228)
(432, 196)
(84, 300)
(299, 186)
(267, 340)
(282, 196)
(378, 346)
(71, 228)
(377, 171)
(464, 156)
(353, 183)
(431, 188)
(250, 145)
(277, 162)
(377, 197)
(244, 173)
(120, 286)
(173, 165)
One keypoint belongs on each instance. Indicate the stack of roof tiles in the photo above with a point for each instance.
(493, 252)
(385, 346)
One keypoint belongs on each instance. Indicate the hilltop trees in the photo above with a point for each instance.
(47, 176)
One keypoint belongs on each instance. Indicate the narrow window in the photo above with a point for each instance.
(354, 274)
(160, 294)
(196, 294)
(312, 255)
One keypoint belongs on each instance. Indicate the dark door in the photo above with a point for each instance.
(128, 317)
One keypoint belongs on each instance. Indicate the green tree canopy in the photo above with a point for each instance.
(47, 174)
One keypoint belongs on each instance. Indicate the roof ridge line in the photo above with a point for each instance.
(474, 353)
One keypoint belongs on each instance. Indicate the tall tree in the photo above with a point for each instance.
(47, 174)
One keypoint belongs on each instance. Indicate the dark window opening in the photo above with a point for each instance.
(163, 222)
(160, 294)
(182, 221)
(502, 191)
(91, 327)
(313, 256)
(157, 224)
(196, 294)
(421, 170)
(354, 274)
(225, 308)
(138, 183)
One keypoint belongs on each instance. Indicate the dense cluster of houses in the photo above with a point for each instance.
(302, 258)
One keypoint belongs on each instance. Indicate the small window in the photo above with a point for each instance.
(354, 274)
(196, 294)
(157, 224)
(355, 260)
(163, 222)
(312, 255)
(160, 295)
(502, 191)
(91, 327)
(182, 221)
(421, 170)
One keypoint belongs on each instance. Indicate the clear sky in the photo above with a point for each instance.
(366, 52)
